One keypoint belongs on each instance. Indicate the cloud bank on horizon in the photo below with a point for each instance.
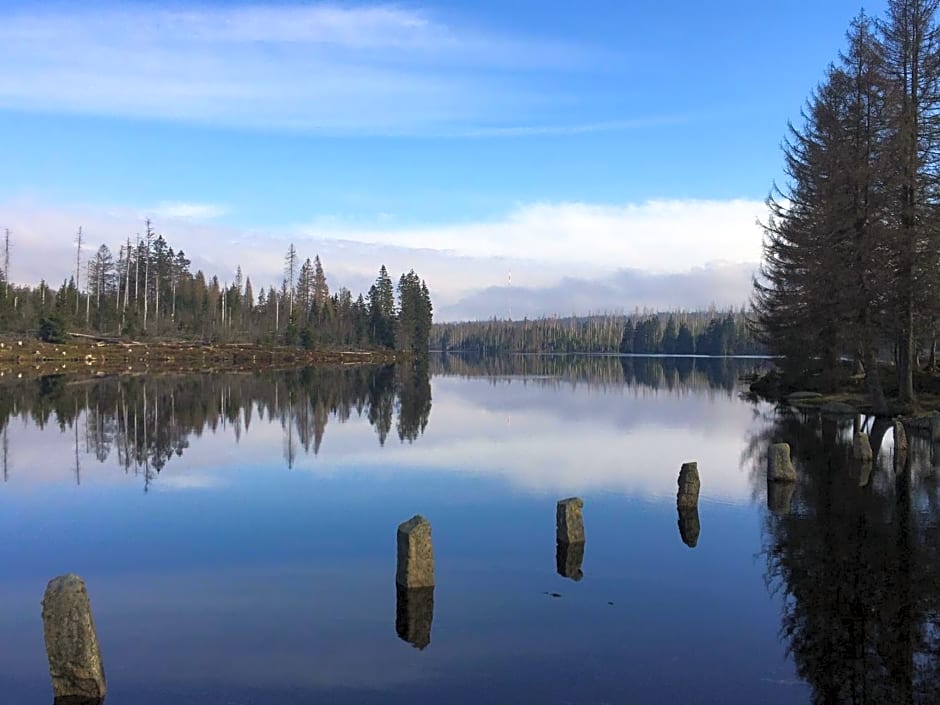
(539, 260)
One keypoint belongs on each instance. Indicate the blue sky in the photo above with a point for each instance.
(607, 141)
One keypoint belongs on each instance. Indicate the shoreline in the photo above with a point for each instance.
(849, 397)
(24, 357)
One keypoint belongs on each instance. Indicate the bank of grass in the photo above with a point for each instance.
(28, 357)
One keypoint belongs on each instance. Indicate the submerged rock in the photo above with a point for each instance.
(779, 466)
(71, 642)
(415, 553)
(689, 486)
(569, 521)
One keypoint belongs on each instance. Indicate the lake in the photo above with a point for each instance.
(237, 534)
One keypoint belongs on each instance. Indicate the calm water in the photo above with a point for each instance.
(237, 535)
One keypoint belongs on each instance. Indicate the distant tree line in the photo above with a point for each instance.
(148, 289)
(851, 265)
(677, 333)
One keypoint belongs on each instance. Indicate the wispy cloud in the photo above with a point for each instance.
(331, 68)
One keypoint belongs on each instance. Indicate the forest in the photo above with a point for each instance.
(149, 292)
(848, 287)
(676, 333)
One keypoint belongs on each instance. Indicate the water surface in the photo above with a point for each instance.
(237, 535)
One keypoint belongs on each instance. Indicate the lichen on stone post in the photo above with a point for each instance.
(569, 520)
(779, 466)
(71, 642)
(415, 553)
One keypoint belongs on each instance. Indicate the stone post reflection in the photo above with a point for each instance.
(687, 504)
(780, 497)
(414, 612)
(689, 526)
(569, 538)
(861, 448)
(855, 568)
(568, 559)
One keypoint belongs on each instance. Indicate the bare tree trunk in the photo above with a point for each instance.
(6, 261)
(147, 277)
(78, 266)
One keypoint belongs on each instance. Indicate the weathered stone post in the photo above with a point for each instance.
(569, 520)
(71, 642)
(861, 448)
(689, 486)
(779, 466)
(415, 553)
(414, 612)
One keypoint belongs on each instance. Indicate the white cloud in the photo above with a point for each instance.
(564, 257)
(658, 236)
(332, 68)
(194, 211)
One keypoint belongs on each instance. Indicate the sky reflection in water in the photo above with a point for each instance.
(258, 566)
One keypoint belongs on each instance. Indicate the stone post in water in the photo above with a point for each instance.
(779, 466)
(414, 589)
(689, 486)
(687, 504)
(415, 553)
(569, 538)
(569, 520)
(71, 642)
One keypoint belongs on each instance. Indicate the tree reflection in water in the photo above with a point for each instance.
(854, 555)
(146, 421)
